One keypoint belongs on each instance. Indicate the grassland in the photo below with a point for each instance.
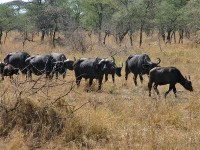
(121, 116)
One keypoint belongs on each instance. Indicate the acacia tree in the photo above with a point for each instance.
(7, 20)
(49, 16)
(191, 14)
(169, 17)
(95, 13)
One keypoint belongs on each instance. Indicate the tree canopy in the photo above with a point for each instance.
(116, 17)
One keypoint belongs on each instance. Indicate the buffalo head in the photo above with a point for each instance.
(118, 71)
(2, 65)
(148, 65)
(188, 84)
(68, 64)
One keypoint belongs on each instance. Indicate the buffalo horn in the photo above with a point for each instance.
(101, 61)
(57, 62)
(113, 59)
(158, 61)
(66, 60)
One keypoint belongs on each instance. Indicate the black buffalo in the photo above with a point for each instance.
(90, 68)
(167, 75)
(17, 60)
(112, 69)
(40, 64)
(139, 64)
(61, 64)
(7, 70)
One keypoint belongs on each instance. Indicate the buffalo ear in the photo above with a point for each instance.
(185, 77)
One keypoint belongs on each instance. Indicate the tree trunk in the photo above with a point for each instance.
(6, 37)
(25, 38)
(100, 14)
(181, 36)
(187, 34)
(1, 34)
(173, 35)
(54, 34)
(43, 34)
(121, 36)
(107, 33)
(163, 35)
(131, 37)
(169, 36)
(141, 30)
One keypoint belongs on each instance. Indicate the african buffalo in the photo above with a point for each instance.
(139, 64)
(112, 69)
(90, 68)
(40, 64)
(61, 64)
(17, 60)
(7, 70)
(167, 75)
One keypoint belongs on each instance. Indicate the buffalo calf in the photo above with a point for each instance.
(112, 69)
(17, 60)
(7, 70)
(167, 75)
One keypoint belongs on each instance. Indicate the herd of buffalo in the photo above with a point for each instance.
(93, 68)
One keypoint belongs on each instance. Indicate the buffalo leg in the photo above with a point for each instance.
(170, 88)
(174, 90)
(29, 75)
(56, 75)
(135, 79)
(64, 74)
(150, 86)
(78, 80)
(49, 75)
(106, 77)
(126, 75)
(141, 78)
(156, 89)
(11, 77)
(113, 77)
(90, 82)
(2, 77)
(100, 82)
(127, 71)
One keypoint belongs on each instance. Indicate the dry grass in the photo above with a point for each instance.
(121, 116)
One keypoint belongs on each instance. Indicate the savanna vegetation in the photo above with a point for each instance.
(55, 114)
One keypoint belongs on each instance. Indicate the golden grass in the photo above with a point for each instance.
(121, 116)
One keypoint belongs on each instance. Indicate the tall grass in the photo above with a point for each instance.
(121, 116)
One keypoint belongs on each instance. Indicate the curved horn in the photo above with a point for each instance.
(74, 58)
(113, 59)
(159, 60)
(66, 60)
(122, 64)
(101, 61)
(189, 77)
